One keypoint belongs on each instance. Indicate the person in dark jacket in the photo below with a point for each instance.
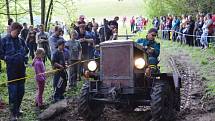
(190, 31)
(24, 32)
(151, 47)
(60, 77)
(13, 51)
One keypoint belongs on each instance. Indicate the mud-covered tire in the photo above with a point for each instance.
(177, 99)
(162, 102)
(87, 109)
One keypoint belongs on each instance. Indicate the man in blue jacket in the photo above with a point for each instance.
(151, 47)
(13, 51)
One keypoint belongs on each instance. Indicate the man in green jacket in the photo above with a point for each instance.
(151, 47)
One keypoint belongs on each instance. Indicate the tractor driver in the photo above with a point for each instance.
(151, 47)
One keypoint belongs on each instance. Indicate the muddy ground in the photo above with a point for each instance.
(195, 106)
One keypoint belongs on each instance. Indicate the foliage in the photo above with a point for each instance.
(177, 7)
(203, 60)
(63, 10)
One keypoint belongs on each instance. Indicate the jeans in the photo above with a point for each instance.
(73, 74)
(59, 83)
(32, 47)
(132, 27)
(204, 39)
(16, 89)
(16, 92)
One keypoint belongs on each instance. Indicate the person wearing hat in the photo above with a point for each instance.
(151, 47)
(13, 51)
(60, 77)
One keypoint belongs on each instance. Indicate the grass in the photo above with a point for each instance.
(28, 103)
(204, 60)
(100, 9)
(109, 8)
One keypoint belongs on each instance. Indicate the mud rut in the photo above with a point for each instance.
(194, 105)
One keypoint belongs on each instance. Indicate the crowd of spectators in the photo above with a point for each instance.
(187, 29)
(23, 43)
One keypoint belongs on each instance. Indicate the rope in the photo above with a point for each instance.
(48, 72)
(180, 33)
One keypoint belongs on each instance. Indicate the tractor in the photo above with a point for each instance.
(123, 78)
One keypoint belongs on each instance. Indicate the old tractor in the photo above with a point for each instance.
(122, 77)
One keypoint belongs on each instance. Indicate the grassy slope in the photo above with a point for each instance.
(109, 8)
(203, 59)
(100, 9)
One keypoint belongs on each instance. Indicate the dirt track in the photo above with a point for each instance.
(194, 105)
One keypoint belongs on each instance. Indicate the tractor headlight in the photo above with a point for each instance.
(139, 63)
(92, 66)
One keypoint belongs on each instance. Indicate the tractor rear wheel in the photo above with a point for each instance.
(87, 109)
(162, 102)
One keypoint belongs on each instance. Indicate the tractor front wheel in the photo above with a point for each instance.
(87, 109)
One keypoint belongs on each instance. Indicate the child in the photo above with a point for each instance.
(74, 48)
(40, 76)
(60, 77)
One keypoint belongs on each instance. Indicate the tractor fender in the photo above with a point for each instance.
(172, 78)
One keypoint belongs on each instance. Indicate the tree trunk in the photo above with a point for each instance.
(15, 1)
(8, 9)
(48, 14)
(43, 5)
(30, 12)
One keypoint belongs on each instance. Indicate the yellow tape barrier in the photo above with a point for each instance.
(48, 72)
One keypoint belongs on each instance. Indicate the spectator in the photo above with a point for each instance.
(175, 27)
(210, 26)
(114, 22)
(24, 32)
(81, 21)
(10, 21)
(206, 28)
(43, 42)
(124, 19)
(213, 19)
(13, 51)
(31, 41)
(60, 77)
(183, 28)
(40, 78)
(190, 30)
(93, 20)
(86, 40)
(75, 51)
(54, 39)
(95, 33)
(168, 27)
(144, 23)
(105, 32)
(156, 23)
(162, 26)
(198, 29)
(132, 23)
(0, 59)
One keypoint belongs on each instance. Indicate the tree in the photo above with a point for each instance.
(49, 13)
(8, 9)
(30, 12)
(43, 6)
